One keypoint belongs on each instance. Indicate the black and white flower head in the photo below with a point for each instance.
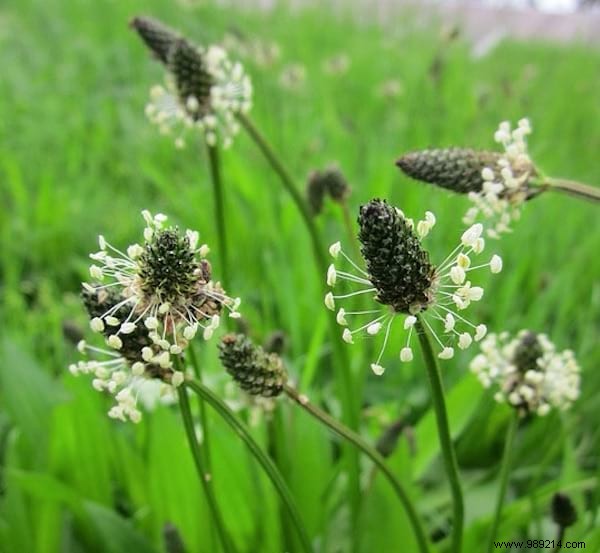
(497, 183)
(528, 372)
(203, 91)
(148, 303)
(404, 283)
(124, 373)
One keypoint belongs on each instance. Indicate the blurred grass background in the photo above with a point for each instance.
(78, 158)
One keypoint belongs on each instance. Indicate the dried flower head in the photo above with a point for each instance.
(529, 373)
(204, 89)
(328, 182)
(497, 183)
(256, 372)
(402, 279)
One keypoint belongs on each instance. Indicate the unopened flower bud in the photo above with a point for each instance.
(563, 510)
(257, 372)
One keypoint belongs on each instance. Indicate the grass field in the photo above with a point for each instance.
(78, 158)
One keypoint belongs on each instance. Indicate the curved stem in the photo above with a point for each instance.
(361, 444)
(270, 469)
(448, 453)
(215, 175)
(572, 188)
(205, 480)
(504, 472)
(349, 408)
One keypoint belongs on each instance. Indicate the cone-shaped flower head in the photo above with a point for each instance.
(157, 36)
(528, 372)
(457, 169)
(496, 182)
(256, 372)
(564, 512)
(398, 266)
(404, 282)
(204, 88)
(328, 182)
(148, 303)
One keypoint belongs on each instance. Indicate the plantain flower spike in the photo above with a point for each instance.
(255, 371)
(497, 183)
(148, 302)
(404, 283)
(203, 91)
(528, 373)
(328, 182)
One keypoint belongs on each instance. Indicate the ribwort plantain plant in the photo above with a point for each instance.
(263, 374)
(403, 282)
(532, 378)
(497, 183)
(148, 303)
(204, 91)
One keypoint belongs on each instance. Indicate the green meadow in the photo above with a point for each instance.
(78, 158)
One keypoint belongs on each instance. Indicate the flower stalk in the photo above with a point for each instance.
(448, 453)
(219, 201)
(267, 464)
(504, 473)
(201, 408)
(572, 188)
(203, 475)
(343, 375)
(353, 438)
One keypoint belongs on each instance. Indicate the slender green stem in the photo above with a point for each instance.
(202, 408)
(267, 464)
(504, 472)
(559, 538)
(448, 453)
(349, 406)
(205, 478)
(215, 175)
(278, 452)
(358, 442)
(572, 188)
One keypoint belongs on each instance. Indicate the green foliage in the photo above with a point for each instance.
(78, 158)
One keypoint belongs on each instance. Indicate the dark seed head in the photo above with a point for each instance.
(256, 372)
(192, 79)
(330, 182)
(167, 267)
(398, 266)
(527, 353)
(563, 510)
(158, 37)
(457, 169)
